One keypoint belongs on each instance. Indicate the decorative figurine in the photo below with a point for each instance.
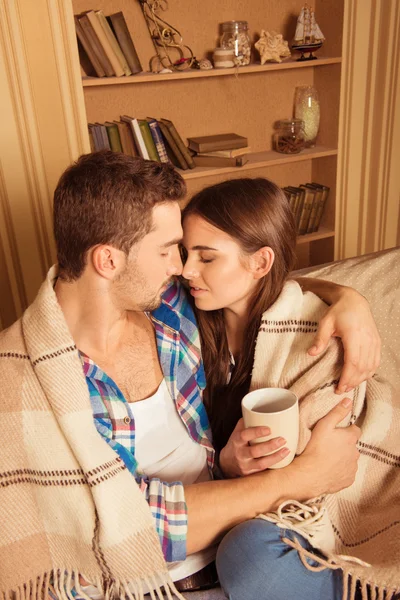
(308, 36)
(272, 47)
(166, 39)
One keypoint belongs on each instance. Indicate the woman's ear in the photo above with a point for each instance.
(261, 262)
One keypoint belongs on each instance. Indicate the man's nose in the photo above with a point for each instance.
(176, 265)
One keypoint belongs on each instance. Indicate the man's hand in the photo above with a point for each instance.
(350, 319)
(330, 460)
(238, 458)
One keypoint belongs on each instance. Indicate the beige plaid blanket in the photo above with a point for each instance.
(68, 503)
(365, 518)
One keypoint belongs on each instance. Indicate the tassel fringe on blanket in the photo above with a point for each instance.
(357, 529)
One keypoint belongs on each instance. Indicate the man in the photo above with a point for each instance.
(102, 383)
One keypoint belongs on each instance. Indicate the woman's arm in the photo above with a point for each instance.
(328, 464)
(350, 319)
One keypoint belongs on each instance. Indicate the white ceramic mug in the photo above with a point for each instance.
(277, 409)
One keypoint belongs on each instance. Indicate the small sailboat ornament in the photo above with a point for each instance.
(308, 37)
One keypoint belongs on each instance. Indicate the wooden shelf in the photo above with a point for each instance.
(195, 74)
(322, 233)
(269, 158)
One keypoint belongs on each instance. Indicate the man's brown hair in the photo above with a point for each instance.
(107, 198)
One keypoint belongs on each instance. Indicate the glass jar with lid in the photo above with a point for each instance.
(235, 36)
(289, 137)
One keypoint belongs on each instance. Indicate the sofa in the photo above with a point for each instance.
(377, 277)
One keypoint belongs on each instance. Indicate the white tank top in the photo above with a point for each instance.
(164, 449)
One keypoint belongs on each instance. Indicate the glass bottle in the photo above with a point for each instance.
(289, 136)
(235, 36)
(306, 108)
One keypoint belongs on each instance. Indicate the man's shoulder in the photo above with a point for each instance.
(175, 306)
(11, 340)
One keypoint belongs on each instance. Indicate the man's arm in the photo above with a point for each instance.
(328, 464)
(350, 319)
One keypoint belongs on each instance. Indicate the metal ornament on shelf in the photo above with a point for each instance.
(308, 37)
(166, 39)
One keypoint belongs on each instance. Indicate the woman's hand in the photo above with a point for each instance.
(238, 458)
(329, 462)
(350, 319)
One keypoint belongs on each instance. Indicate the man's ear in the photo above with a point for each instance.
(261, 262)
(107, 260)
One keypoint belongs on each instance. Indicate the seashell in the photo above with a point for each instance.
(272, 47)
(205, 64)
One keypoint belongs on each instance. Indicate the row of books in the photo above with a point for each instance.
(149, 138)
(307, 202)
(105, 45)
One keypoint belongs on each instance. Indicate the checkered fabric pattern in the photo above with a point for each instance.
(179, 352)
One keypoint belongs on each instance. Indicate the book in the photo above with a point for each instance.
(298, 204)
(224, 141)
(158, 139)
(100, 127)
(84, 46)
(315, 206)
(307, 207)
(219, 161)
(95, 44)
(105, 42)
(322, 204)
(91, 137)
(148, 140)
(137, 136)
(227, 153)
(113, 43)
(179, 142)
(292, 198)
(126, 137)
(174, 153)
(113, 136)
(121, 32)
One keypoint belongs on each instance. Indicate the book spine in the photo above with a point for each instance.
(101, 36)
(120, 28)
(113, 43)
(174, 148)
(179, 142)
(137, 134)
(126, 137)
(232, 144)
(113, 137)
(148, 140)
(227, 153)
(158, 140)
(305, 215)
(96, 46)
(314, 209)
(88, 48)
(321, 208)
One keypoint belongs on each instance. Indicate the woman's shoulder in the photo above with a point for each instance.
(295, 304)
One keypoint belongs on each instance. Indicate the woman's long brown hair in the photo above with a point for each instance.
(255, 213)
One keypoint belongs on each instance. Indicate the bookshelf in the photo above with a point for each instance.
(248, 100)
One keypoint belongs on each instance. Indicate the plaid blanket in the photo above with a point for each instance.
(365, 518)
(69, 505)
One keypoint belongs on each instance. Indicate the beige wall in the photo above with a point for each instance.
(44, 129)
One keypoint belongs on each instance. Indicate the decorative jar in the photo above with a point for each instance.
(235, 36)
(289, 136)
(224, 58)
(306, 108)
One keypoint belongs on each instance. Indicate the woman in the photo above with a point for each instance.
(239, 243)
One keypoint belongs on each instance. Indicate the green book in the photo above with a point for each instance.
(148, 140)
(113, 136)
(315, 206)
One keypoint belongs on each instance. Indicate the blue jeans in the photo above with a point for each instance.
(254, 564)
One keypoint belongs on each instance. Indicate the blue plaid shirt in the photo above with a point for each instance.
(178, 346)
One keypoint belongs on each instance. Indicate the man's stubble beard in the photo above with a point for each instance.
(131, 285)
